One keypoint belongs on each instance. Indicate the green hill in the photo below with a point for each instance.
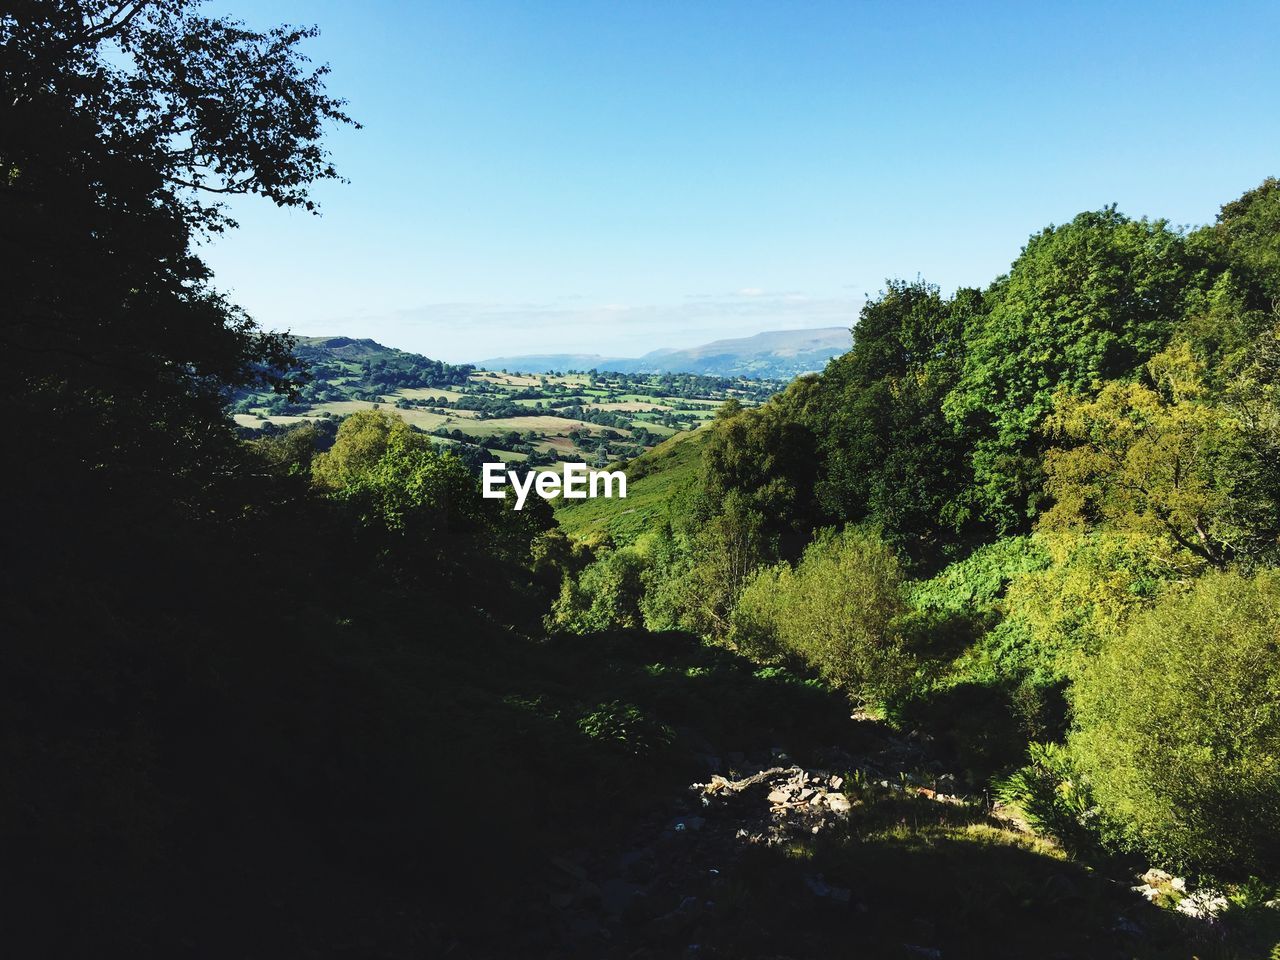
(655, 481)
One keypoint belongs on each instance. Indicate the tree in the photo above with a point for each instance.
(889, 456)
(605, 596)
(122, 127)
(364, 437)
(1169, 458)
(1085, 302)
(767, 456)
(1245, 238)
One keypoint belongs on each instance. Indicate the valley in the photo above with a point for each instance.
(536, 419)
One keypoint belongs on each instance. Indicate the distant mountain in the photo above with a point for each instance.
(776, 353)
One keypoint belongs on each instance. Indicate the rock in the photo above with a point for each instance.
(779, 796)
(641, 871)
(1156, 877)
(838, 803)
(805, 795)
(1205, 904)
(836, 783)
(1127, 927)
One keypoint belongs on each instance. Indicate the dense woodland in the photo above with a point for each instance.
(1043, 512)
(309, 694)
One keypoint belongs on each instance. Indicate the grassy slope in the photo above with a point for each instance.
(653, 481)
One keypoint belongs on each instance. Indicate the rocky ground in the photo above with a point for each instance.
(659, 893)
(675, 884)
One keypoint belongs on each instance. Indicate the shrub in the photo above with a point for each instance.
(837, 610)
(1177, 726)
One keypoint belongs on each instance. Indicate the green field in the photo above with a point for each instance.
(543, 419)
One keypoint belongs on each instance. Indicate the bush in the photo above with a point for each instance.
(837, 610)
(1177, 726)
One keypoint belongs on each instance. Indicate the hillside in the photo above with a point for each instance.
(343, 348)
(655, 481)
(775, 354)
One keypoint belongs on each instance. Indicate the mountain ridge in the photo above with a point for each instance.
(771, 353)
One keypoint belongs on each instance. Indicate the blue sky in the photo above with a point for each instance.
(612, 177)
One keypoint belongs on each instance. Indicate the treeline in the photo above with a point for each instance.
(320, 379)
(1043, 515)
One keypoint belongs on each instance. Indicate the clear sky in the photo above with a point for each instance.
(612, 177)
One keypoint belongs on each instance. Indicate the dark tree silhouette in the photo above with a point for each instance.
(123, 129)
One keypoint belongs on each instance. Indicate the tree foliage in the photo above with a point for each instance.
(1177, 725)
(1086, 302)
(889, 457)
(1169, 458)
(121, 126)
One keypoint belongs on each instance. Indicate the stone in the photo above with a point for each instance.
(1204, 904)
(1156, 877)
(835, 783)
(838, 803)
(779, 796)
